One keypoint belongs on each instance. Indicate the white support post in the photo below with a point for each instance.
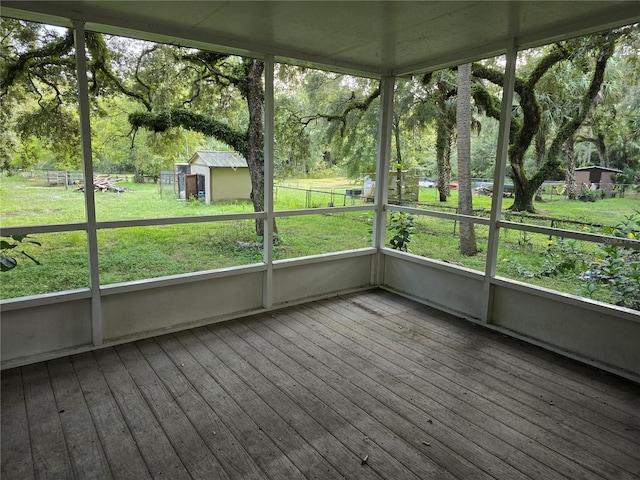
(382, 175)
(87, 162)
(269, 125)
(499, 177)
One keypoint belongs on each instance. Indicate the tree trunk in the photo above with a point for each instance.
(602, 150)
(570, 179)
(447, 163)
(525, 192)
(540, 146)
(525, 127)
(468, 245)
(255, 138)
(523, 197)
(443, 154)
(441, 147)
(443, 143)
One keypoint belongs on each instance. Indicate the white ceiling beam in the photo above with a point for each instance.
(385, 38)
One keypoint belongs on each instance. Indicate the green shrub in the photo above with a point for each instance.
(403, 226)
(562, 256)
(616, 267)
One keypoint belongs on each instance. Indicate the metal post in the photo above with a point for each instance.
(498, 178)
(85, 138)
(382, 175)
(269, 112)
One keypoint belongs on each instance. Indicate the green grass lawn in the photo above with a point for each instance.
(137, 253)
(609, 211)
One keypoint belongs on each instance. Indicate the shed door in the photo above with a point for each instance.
(191, 186)
(595, 175)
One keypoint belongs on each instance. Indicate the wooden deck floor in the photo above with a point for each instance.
(368, 385)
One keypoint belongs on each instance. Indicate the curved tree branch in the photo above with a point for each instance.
(210, 62)
(21, 64)
(160, 122)
(581, 110)
(557, 54)
(341, 117)
(100, 62)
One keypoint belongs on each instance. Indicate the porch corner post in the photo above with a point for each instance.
(385, 124)
(498, 180)
(269, 126)
(87, 163)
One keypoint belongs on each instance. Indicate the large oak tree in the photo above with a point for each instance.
(591, 54)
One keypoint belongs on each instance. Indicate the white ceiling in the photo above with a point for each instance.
(376, 37)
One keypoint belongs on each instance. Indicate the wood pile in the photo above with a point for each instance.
(488, 190)
(103, 183)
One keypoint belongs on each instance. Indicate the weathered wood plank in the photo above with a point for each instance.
(453, 421)
(249, 434)
(413, 426)
(613, 439)
(583, 378)
(462, 380)
(610, 424)
(185, 439)
(445, 386)
(159, 455)
(280, 414)
(555, 370)
(120, 449)
(17, 462)
(85, 451)
(356, 429)
(389, 400)
(48, 446)
(234, 459)
(307, 391)
(529, 394)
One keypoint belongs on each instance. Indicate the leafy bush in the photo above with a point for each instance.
(617, 267)
(590, 195)
(403, 226)
(562, 256)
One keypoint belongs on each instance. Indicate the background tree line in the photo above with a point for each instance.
(577, 102)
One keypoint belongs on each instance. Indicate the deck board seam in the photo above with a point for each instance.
(127, 414)
(102, 434)
(231, 426)
(283, 393)
(229, 470)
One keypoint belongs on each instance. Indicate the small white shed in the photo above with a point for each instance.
(226, 175)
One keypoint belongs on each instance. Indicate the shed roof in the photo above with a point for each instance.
(597, 167)
(219, 159)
